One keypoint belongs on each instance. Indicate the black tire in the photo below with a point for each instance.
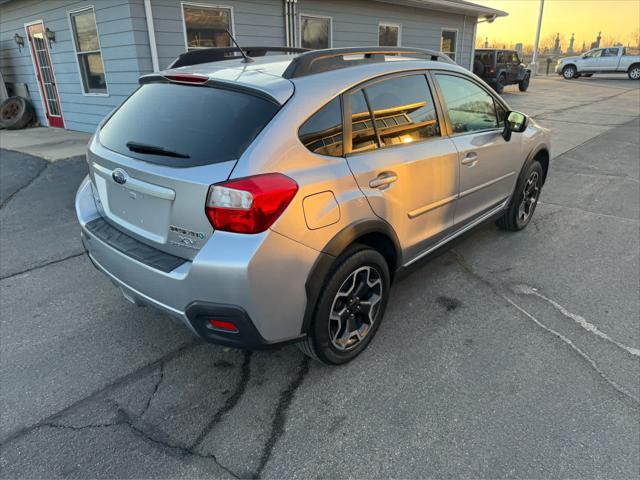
(634, 71)
(569, 72)
(16, 113)
(500, 83)
(356, 260)
(512, 219)
(523, 84)
(479, 68)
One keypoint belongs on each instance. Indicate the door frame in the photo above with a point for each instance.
(34, 62)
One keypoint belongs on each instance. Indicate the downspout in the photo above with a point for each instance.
(464, 25)
(294, 21)
(286, 24)
(152, 36)
(473, 44)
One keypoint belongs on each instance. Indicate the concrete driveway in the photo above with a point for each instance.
(512, 355)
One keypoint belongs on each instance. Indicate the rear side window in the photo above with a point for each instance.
(195, 125)
(404, 110)
(486, 58)
(322, 133)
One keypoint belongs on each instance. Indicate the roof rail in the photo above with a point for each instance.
(318, 61)
(206, 55)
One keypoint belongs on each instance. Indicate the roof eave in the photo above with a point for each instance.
(460, 7)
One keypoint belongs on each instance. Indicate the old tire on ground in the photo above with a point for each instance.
(525, 199)
(15, 113)
(350, 307)
(523, 84)
(500, 83)
(634, 71)
(569, 72)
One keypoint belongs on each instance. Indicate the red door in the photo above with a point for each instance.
(44, 72)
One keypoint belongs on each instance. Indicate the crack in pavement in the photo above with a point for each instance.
(155, 390)
(230, 403)
(42, 265)
(280, 415)
(36, 176)
(111, 386)
(607, 215)
(580, 320)
(471, 272)
(138, 426)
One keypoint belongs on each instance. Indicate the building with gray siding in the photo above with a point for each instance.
(79, 59)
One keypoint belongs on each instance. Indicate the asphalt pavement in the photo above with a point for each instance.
(511, 355)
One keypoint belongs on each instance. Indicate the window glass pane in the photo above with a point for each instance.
(403, 109)
(388, 36)
(314, 32)
(363, 135)
(322, 133)
(208, 124)
(470, 107)
(448, 43)
(84, 26)
(205, 26)
(92, 72)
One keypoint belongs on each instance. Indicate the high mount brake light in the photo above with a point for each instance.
(187, 78)
(250, 204)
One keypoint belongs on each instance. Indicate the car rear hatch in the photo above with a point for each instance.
(153, 161)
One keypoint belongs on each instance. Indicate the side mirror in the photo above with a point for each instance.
(515, 122)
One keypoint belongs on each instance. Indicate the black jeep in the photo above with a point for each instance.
(500, 68)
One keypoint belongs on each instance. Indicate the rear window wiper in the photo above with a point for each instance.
(154, 150)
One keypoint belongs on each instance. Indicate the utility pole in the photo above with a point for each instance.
(534, 60)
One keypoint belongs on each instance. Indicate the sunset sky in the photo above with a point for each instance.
(619, 20)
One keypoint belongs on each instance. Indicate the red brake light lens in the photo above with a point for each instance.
(250, 204)
(187, 78)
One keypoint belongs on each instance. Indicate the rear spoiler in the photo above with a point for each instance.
(206, 55)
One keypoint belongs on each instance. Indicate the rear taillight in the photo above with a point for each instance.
(251, 204)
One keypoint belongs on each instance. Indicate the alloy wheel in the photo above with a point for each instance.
(635, 73)
(354, 308)
(530, 194)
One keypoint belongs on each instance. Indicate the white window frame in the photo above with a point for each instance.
(311, 15)
(77, 54)
(204, 5)
(389, 24)
(454, 30)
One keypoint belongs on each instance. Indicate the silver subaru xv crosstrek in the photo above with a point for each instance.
(274, 200)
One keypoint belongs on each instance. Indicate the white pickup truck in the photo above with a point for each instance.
(601, 60)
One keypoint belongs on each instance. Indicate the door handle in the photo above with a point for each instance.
(470, 159)
(383, 180)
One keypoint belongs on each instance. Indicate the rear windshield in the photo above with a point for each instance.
(186, 126)
(485, 57)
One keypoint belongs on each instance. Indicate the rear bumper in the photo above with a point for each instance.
(256, 281)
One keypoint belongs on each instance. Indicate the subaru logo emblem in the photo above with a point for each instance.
(119, 176)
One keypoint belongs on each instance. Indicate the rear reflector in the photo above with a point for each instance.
(223, 325)
(250, 204)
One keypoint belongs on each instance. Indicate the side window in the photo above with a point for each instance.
(322, 133)
(470, 107)
(515, 58)
(610, 52)
(403, 109)
(363, 135)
